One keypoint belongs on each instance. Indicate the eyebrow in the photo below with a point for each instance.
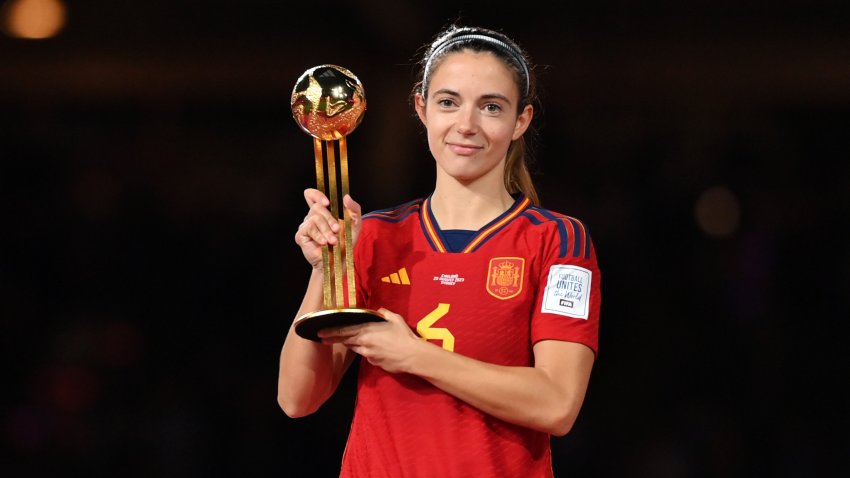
(489, 96)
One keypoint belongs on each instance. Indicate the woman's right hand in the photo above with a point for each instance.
(320, 228)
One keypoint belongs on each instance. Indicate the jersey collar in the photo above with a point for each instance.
(435, 236)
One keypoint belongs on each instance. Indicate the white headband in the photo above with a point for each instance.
(504, 47)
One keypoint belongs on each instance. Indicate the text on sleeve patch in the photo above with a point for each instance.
(568, 291)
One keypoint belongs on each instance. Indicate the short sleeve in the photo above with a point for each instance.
(569, 292)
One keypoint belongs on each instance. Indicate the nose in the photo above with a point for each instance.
(467, 120)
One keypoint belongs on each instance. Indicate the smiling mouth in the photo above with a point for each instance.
(464, 149)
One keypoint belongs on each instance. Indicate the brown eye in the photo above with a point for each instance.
(492, 108)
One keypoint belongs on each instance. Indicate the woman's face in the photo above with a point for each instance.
(471, 115)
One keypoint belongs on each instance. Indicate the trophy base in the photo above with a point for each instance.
(308, 325)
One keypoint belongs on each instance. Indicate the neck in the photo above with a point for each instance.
(470, 207)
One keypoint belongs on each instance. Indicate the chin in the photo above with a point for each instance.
(466, 179)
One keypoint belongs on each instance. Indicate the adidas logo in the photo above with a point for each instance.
(399, 277)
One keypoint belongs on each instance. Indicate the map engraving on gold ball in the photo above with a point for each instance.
(328, 102)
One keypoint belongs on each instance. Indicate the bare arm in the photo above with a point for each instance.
(310, 372)
(545, 397)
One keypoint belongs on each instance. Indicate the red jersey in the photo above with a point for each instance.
(528, 275)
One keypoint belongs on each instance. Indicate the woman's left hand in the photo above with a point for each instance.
(387, 344)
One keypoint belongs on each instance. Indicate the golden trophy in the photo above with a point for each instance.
(328, 103)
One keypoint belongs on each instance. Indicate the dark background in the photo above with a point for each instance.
(150, 187)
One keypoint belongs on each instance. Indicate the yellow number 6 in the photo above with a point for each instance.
(423, 327)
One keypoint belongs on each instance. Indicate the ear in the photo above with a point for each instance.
(419, 105)
(523, 121)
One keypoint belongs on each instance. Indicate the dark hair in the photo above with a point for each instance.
(455, 39)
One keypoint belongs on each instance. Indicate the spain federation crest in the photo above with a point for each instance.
(504, 277)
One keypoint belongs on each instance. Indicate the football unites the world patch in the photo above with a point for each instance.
(568, 291)
(504, 277)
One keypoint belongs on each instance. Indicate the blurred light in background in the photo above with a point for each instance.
(33, 19)
(718, 212)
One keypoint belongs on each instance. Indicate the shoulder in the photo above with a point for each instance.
(391, 220)
(395, 214)
(571, 234)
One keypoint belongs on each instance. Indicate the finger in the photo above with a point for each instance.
(319, 229)
(347, 332)
(332, 340)
(314, 196)
(388, 314)
(352, 205)
(309, 233)
(348, 341)
(318, 204)
(392, 319)
(338, 331)
(301, 235)
(355, 216)
(324, 212)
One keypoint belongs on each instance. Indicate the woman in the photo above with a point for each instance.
(493, 308)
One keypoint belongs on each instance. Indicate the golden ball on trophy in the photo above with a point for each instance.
(328, 102)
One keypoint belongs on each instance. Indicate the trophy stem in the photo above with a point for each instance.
(327, 294)
(349, 249)
(335, 250)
